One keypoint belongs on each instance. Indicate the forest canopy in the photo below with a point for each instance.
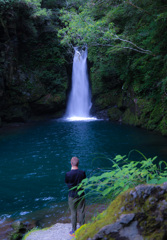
(129, 30)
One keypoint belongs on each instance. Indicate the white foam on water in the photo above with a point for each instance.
(24, 213)
(86, 119)
(4, 217)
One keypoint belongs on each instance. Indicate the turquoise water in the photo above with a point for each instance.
(34, 159)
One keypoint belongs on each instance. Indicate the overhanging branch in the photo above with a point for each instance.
(137, 47)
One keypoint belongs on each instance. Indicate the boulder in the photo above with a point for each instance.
(114, 114)
(137, 214)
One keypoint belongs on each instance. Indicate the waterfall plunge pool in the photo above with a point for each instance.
(76, 118)
(34, 160)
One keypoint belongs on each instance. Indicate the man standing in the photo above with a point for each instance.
(73, 178)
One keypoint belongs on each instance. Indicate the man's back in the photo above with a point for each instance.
(73, 178)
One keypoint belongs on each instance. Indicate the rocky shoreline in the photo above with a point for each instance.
(9, 229)
(139, 213)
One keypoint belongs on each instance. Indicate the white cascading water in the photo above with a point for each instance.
(79, 102)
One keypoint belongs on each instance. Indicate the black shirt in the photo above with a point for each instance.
(73, 178)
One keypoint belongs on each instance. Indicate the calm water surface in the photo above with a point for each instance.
(34, 159)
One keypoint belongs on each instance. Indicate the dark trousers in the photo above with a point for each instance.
(74, 205)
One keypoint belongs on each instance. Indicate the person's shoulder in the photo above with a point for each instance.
(69, 172)
(81, 170)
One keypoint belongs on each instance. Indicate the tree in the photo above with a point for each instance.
(92, 27)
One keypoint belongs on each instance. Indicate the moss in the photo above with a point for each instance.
(33, 230)
(49, 99)
(155, 117)
(144, 208)
(16, 236)
(156, 236)
(149, 203)
(107, 99)
(114, 114)
(151, 115)
(162, 127)
(146, 112)
(151, 228)
(109, 216)
(130, 118)
(103, 101)
(145, 104)
(120, 101)
(19, 229)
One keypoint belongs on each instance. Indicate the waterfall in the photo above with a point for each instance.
(79, 102)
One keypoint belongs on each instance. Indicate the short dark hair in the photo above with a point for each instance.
(74, 161)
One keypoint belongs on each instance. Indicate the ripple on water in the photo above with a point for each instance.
(45, 199)
(24, 213)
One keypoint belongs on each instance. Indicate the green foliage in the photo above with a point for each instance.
(94, 24)
(30, 30)
(78, 28)
(31, 231)
(124, 174)
(48, 61)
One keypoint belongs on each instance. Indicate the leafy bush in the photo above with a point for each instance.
(123, 175)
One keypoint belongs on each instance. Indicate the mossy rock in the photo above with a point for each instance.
(107, 217)
(49, 104)
(162, 127)
(114, 114)
(145, 108)
(120, 101)
(103, 101)
(139, 213)
(155, 117)
(107, 99)
(125, 102)
(130, 118)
